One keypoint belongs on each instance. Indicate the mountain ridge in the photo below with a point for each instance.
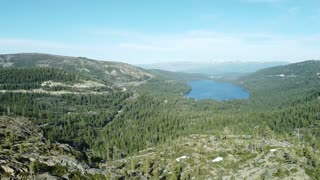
(212, 68)
(104, 70)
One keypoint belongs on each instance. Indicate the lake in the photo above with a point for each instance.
(208, 89)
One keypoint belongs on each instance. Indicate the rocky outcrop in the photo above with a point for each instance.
(225, 157)
(25, 153)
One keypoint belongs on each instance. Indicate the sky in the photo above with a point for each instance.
(150, 31)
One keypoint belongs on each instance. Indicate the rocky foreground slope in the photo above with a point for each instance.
(25, 154)
(212, 157)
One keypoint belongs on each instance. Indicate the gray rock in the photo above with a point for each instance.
(7, 169)
(46, 176)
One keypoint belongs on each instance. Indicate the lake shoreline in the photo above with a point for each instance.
(215, 90)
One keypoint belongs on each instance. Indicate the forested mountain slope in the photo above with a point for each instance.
(50, 81)
(114, 72)
(277, 85)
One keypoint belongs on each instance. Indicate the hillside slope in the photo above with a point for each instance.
(104, 70)
(280, 84)
(26, 154)
(222, 157)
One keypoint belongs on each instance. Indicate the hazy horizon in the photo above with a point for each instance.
(144, 32)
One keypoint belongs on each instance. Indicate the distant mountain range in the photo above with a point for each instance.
(212, 68)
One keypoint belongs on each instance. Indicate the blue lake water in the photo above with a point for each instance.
(208, 89)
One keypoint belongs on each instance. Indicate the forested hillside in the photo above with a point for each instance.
(139, 131)
(281, 84)
(113, 72)
(26, 78)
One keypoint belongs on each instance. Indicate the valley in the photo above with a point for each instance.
(117, 121)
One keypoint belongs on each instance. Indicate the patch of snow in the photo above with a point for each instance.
(273, 150)
(180, 158)
(280, 75)
(218, 159)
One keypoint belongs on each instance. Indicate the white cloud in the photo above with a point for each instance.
(196, 45)
(31, 43)
(142, 47)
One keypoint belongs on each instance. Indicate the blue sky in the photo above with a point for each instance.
(163, 31)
